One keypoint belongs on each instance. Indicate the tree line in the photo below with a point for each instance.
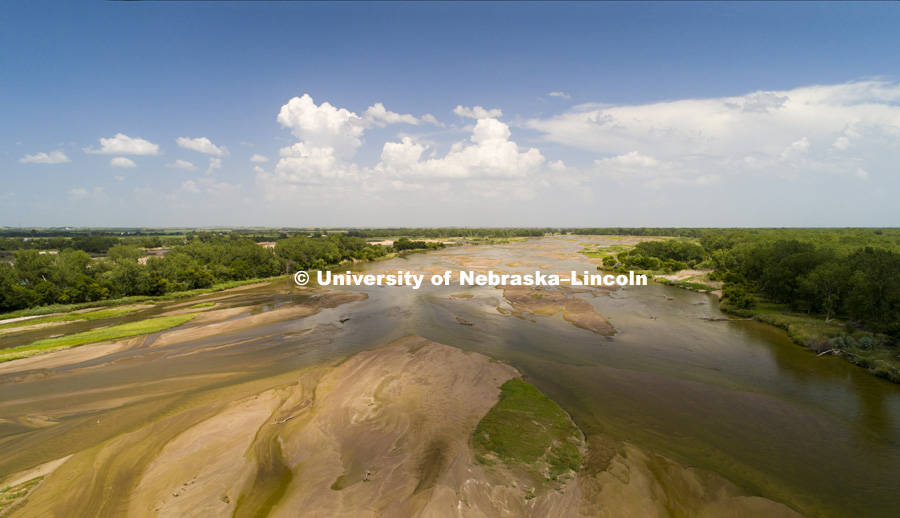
(36, 278)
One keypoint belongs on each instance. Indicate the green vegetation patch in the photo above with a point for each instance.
(596, 252)
(864, 351)
(70, 317)
(202, 305)
(9, 495)
(151, 325)
(688, 285)
(526, 427)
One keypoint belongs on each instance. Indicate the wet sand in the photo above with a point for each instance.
(544, 301)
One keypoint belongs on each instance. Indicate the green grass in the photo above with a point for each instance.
(151, 325)
(70, 317)
(597, 252)
(688, 285)
(526, 427)
(64, 308)
(202, 305)
(9, 495)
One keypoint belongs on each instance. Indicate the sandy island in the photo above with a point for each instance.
(544, 301)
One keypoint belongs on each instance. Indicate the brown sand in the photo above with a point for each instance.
(213, 323)
(67, 356)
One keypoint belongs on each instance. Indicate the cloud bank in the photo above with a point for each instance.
(330, 136)
(805, 131)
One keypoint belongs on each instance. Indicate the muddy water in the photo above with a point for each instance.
(737, 398)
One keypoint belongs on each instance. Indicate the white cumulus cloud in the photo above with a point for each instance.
(182, 164)
(490, 155)
(561, 95)
(477, 112)
(214, 163)
(54, 157)
(120, 161)
(201, 144)
(323, 126)
(431, 119)
(381, 116)
(259, 158)
(124, 145)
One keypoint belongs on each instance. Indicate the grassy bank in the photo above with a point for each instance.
(526, 427)
(828, 337)
(202, 305)
(599, 252)
(69, 317)
(151, 325)
(686, 284)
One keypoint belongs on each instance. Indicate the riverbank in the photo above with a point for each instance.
(831, 337)
(823, 337)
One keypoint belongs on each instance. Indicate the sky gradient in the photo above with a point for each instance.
(449, 114)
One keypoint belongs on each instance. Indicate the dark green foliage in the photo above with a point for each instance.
(306, 253)
(873, 297)
(738, 297)
(672, 249)
(198, 261)
(642, 263)
(405, 244)
(94, 244)
(669, 255)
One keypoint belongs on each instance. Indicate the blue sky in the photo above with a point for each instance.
(427, 114)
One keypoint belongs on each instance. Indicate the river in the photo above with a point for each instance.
(734, 397)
